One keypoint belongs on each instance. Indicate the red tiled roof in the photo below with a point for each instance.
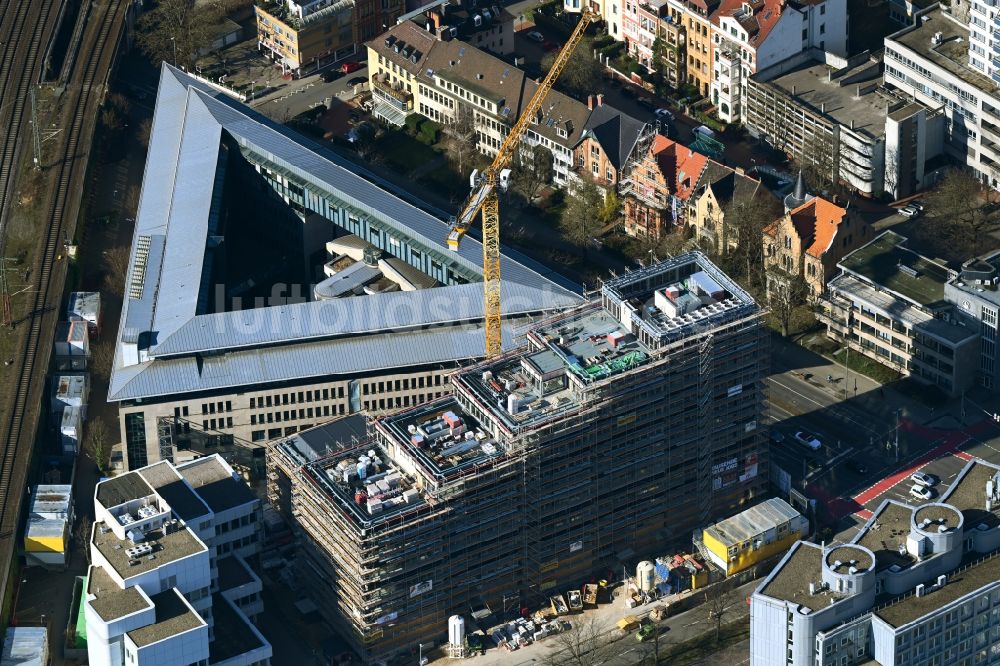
(680, 165)
(816, 223)
(758, 24)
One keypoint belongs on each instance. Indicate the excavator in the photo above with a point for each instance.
(494, 180)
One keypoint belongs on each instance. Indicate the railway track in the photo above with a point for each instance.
(83, 94)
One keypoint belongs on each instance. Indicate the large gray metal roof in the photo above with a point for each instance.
(172, 229)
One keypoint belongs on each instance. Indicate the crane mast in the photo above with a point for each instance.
(484, 196)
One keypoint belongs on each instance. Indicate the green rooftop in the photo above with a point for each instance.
(887, 263)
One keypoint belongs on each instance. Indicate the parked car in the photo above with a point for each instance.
(549, 45)
(909, 210)
(349, 67)
(357, 80)
(704, 131)
(808, 440)
(777, 436)
(536, 36)
(928, 480)
(921, 492)
(856, 466)
(916, 204)
(646, 632)
(331, 75)
(664, 114)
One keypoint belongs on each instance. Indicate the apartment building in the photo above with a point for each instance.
(658, 186)
(753, 36)
(218, 333)
(303, 36)
(441, 78)
(917, 585)
(607, 143)
(696, 18)
(944, 62)
(641, 25)
(717, 190)
(169, 580)
(612, 11)
(889, 304)
(840, 117)
(674, 37)
(809, 241)
(622, 425)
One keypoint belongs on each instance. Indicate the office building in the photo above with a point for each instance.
(837, 116)
(219, 343)
(622, 426)
(974, 293)
(944, 62)
(917, 585)
(889, 304)
(169, 582)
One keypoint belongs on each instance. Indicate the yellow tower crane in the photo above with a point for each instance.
(495, 177)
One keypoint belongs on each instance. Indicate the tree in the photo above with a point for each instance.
(720, 601)
(531, 168)
(110, 118)
(963, 213)
(586, 643)
(786, 293)
(116, 262)
(178, 30)
(742, 236)
(97, 443)
(130, 203)
(83, 531)
(461, 139)
(610, 209)
(581, 218)
(582, 73)
(819, 160)
(145, 129)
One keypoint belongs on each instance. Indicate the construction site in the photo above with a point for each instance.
(618, 428)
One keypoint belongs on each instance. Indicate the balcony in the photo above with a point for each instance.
(394, 94)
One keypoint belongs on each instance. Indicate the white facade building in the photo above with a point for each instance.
(609, 10)
(947, 64)
(752, 36)
(917, 585)
(168, 583)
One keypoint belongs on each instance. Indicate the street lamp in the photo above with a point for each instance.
(174, 43)
(420, 657)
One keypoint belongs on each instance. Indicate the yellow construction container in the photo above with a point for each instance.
(754, 535)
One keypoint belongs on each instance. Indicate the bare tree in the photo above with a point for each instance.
(963, 213)
(116, 263)
(586, 643)
(97, 443)
(819, 160)
(144, 130)
(743, 223)
(461, 141)
(532, 169)
(110, 118)
(786, 293)
(83, 536)
(102, 355)
(582, 74)
(130, 203)
(177, 30)
(720, 602)
(582, 217)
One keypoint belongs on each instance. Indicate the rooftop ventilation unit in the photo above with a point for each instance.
(139, 551)
(138, 277)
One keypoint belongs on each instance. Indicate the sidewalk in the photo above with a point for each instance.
(692, 623)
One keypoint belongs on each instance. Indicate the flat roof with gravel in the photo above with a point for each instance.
(121, 489)
(790, 581)
(215, 484)
(960, 583)
(112, 601)
(939, 516)
(173, 616)
(885, 533)
(968, 495)
(166, 548)
(886, 262)
(171, 487)
(847, 554)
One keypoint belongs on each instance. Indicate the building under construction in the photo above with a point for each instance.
(619, 428)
